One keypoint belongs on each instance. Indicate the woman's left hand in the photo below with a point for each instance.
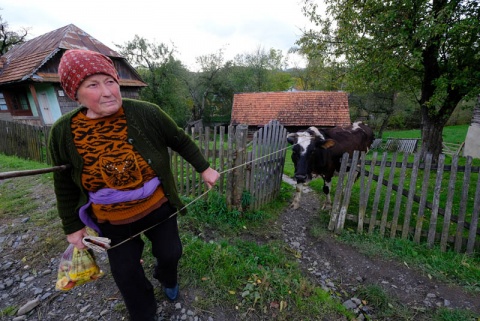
(210, 177)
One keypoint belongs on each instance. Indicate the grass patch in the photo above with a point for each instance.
(457, 268)
(26, 196)
(253, 278)
(445, 314)
(386, 308)
(451, 134)
(9, 311)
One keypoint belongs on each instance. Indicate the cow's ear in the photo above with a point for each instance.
(329, 143)
(292, 138)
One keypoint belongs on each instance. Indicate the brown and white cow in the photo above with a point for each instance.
(318, 152)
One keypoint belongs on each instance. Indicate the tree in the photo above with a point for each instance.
(316, 75)
(213, 87)
(9, 38)
(263, 71)
(207, 87)
(164, 75)
(429, 48)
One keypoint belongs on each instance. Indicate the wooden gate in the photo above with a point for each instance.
(267, 159)
(251, 168)
(426, 201)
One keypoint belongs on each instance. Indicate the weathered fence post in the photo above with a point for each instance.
(334, 213)
(411, 194)
(436, 202)
(237, 180)
(423, 199)
(474, 221)
(352, 175)
(463, 204)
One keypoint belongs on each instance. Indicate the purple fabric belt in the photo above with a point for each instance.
(111, 196)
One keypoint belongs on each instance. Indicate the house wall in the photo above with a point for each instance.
(130, 92)
(6, 116)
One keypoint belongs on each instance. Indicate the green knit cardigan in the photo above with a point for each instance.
(149, 129)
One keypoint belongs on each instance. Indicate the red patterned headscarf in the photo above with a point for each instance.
(76, 65)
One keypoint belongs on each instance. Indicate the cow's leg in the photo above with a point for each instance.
(298, 196)
(327, 184)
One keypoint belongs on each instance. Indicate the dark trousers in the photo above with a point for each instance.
(127, 271)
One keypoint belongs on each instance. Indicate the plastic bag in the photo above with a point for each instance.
(76, 267)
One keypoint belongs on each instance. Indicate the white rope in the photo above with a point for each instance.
(194, 200)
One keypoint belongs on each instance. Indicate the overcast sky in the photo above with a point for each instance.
(196, 27)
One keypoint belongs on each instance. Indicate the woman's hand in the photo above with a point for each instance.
(210, 177)
(76, 238)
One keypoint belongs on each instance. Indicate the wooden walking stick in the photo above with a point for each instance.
(13, 174)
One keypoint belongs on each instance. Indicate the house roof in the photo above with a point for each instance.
(23, 61)
(296, 108)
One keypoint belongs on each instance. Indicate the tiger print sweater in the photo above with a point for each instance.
(150, 131)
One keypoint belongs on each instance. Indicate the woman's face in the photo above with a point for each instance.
(100, 94)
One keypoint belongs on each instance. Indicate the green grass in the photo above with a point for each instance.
(9, 311)
(449, 266)
(251, 277)
(451, 134)
(419, 186)
(446, 314)
(388, 309)
(242, 273)
(16, 194)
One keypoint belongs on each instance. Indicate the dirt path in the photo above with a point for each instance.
(342, 269)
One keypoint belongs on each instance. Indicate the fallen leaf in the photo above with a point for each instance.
(274, 305)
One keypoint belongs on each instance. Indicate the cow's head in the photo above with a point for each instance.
(308, 152)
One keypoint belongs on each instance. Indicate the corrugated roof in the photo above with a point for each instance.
(296, 108)
(23, 61)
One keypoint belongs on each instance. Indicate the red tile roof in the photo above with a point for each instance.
(25, 60)
(295, 108)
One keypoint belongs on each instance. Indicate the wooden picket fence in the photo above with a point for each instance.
(251, 167)
(426, 201)
(24, 140)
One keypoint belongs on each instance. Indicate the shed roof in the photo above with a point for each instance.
(295, 108)
(23, 61)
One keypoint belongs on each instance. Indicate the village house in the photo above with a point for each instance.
(30, 90)
(295, 110)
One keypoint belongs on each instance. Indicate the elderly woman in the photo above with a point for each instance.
(120, 182)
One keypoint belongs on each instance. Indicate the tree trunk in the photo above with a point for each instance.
(384, 124)
(432, 139)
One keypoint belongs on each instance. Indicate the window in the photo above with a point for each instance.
(17, 102)
(3, 103)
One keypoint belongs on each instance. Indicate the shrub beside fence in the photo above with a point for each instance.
(427, 201)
